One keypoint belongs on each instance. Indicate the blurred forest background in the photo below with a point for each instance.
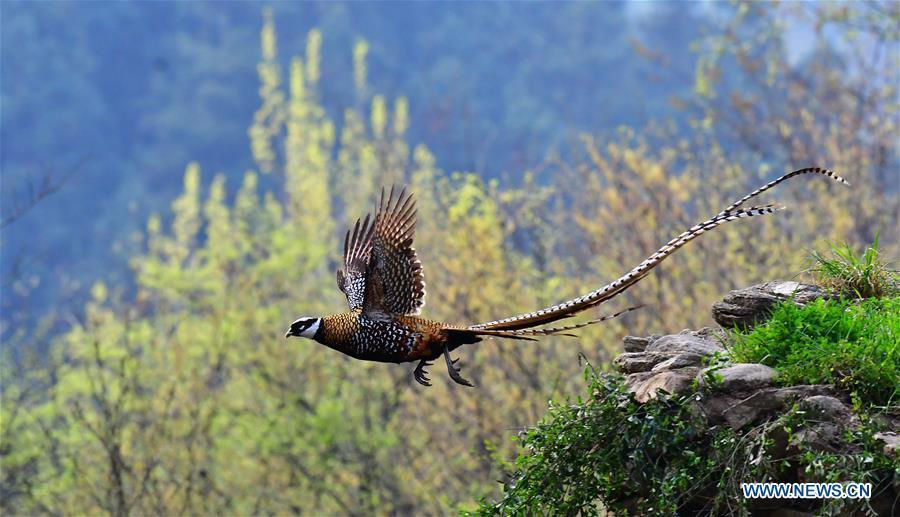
(177, 178)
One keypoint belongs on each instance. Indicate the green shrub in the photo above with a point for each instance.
(610, 453)
(864, 276)
(855, 346)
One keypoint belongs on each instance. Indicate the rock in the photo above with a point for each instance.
(749, 306)
(645, 386)
(891, 442)
(632, 381)
(825, 408)
(714, 405)
(635, 344)
(790, 394)
(739, 377)
(713, 334)
(685, 343)
(634, 362)
(744, 397)
(639, 344)
(887, 421)
(823, 437)
(740, 412)
(751, 409)
(679, 361)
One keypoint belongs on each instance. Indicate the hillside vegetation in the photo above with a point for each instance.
(676, 455)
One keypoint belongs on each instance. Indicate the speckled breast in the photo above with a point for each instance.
(386, 340)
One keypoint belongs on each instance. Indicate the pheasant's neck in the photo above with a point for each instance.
(337, 331)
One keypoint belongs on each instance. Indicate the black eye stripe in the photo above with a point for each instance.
(303, 324)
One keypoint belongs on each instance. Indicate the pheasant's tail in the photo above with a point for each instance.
(467, 336)
(574, 306)
(767, 186)
(571, 307)
(526, 334)
(565, 330)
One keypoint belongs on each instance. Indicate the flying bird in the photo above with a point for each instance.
(384, 283)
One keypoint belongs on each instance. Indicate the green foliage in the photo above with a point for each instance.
(866, 463)
(851, 345)
(605, 449)
(610, 453)
(864, 276)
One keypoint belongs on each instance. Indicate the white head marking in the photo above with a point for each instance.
(309, 331)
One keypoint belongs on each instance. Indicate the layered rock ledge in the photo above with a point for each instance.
(744, 396)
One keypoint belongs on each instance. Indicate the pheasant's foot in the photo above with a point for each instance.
(421, 375)
(454, 371)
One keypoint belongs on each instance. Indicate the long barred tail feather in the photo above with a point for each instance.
(703, 227)
(767, 186)
(569, 308)
(473, 335)
(572, 307)
(525, 334)
(563, 331)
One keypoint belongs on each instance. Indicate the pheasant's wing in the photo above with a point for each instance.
(351, 277)
(395, 282)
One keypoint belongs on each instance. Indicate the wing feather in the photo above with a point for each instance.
(351, 278)
(395, 281)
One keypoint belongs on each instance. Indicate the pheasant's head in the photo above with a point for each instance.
(304, 327)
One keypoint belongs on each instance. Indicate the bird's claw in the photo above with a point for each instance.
(420, 375)
(454, 371)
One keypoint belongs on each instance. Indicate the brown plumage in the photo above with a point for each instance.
(384, 283)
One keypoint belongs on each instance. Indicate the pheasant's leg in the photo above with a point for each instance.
(454, 371)
(420, 374)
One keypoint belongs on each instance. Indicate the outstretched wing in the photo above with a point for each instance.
(395, 282)
(351, 278)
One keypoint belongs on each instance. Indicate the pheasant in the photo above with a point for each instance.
(384, 283)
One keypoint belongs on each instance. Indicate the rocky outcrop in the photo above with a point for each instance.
(891, 441)
(669, 363)
(737, 393)
(739, 409)
(746, 307)
(748, 397)
(739, 378)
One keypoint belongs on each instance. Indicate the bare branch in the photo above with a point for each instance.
(48, 185)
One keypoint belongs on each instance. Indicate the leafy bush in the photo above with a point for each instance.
(610, 453)
(851, 345)
(609, 450)
(866, 276)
